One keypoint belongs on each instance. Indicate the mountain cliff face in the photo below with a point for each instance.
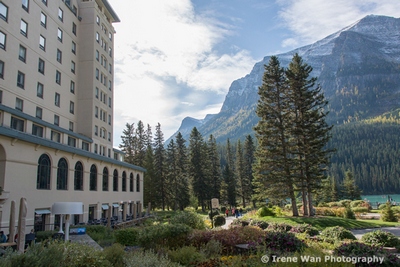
(358, 69)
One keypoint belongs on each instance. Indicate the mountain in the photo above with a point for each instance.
(357, 67)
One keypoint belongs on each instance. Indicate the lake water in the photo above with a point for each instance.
(375, 199)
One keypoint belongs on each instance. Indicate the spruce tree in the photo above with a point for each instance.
(240, 173)
(273, 170)
(310, 130)
(128, 142)
(248, 161)
(214, 167)
(141, 145)
(183, 195)
(159, 164)
(171, 176)
(349, 187)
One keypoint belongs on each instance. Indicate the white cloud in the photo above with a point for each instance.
(166, 64)
(312, 20)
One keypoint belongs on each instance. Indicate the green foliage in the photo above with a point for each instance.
(163, 235)
(360, 203)
(283, 242)
(381, 238)
(186, 255)
(219, 220)
(127, 236)
(349, 213)
(308, 229)
(101, 234)
(336, 233)
(259, 223)
(357, 249)
(44, 235)
(265, 211)
(387, 214)
(148, 258)
(360, 210)
(281, 227)
(115, 255)
(191, 219)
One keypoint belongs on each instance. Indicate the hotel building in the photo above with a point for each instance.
(56, 112)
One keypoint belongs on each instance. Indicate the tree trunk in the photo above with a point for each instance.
(305, 204)
(293, 199)
(310, 204)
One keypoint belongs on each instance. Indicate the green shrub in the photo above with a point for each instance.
(357, 249)
(345, 202)
(387, 214)
(281, 227)
(219, 220)
(381, 238)
(212, 248)
(163, 235)
(277, 210)
(283, 242)
(381, 206)
(308, 229)
(264, 211)
(190, 219)
(260, 223)
(348, 213)
(44, 235)
(186, 255)
(360, 203)
(334, 204)
(148, 259)
(336, 233)
(115, 255)
(127, 236)
(360, 210)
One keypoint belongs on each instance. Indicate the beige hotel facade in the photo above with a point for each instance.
(56, 113)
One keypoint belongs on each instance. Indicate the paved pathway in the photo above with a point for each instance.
(229, 220)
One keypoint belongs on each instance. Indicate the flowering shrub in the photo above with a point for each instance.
(281, 227)
(381, 238)
(305, 228)
(283, 242)
(191, 219)
(358, 249)
(336, 233)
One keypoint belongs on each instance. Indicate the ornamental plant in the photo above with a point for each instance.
(189, 218)
(336, 233)
(308, 229)
(281, 227)
(283, 242)
(381, 238)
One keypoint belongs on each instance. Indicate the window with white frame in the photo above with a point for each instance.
(21, 80)
(25, 5)
(22, 53)
(41, 66)
(19, 104)
(60, 35)
(58, 77)
(42, 43)
(72, 87)
(43, 20)
(57, 99)
(39, 90)
(2, 40)
(39, 112)
(73, 49)
(1, 69)
(24, 28)
(56, 120)
(60, 14)
(3, 11)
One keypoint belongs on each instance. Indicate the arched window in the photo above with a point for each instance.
(115, 180)
(137, 183)
(62, 175)
(105, 179)
(124, 181)
(93, 178)
(78, 176)
(131, 182)
(43, 172)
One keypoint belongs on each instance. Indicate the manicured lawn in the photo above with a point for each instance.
(322, 222)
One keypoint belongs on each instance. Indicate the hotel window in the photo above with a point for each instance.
(109, 102)
(2, 40)
(59, 34)
(71, 141)
(97, 55)
(96, 112)
(39, 90)
(95, 148)
(62, 174)
(97, 73)
(60, 14)
(56, 120)
(39, 112)
(131, 182)
(42, 43)
(3, 11)
(57, 99)
(97, 37)
(44, 2)
(93, 178)
(20, 79)
(110, 51)
(85, 146)
(43, 20)
(37, 130)
(19, 104)
(22, 53)
(24, 28)
(98, 20)
(71, 126)
(43, 172)
(109, 68)
(105, 179)
(78, 176)
(137, 183)
(96, 130)
(110, 35)
(55, 136)
(109, 136)
(72, 87)
(74, 28)
(71, 107)
(17, 124)
(59, 55)
(124, 181)
(41, 66)
(96, 92)
(73, 49)
(25, 5)
(109, 119)
(110, 85)
(58, 77)
(115, 180)
(72, 66)
(1, 69)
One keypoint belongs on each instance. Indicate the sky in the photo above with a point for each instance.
(177, 58)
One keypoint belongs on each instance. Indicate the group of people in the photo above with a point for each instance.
(5, 238)
(235, 212)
